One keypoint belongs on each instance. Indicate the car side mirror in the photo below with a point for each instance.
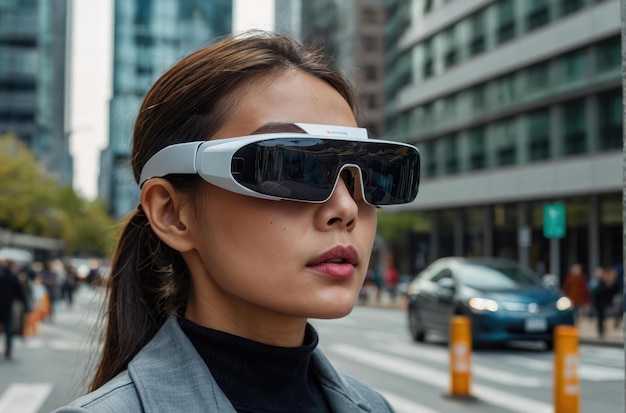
(550, 281)
(446, 284)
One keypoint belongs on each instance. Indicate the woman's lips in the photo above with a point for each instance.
(337, 262)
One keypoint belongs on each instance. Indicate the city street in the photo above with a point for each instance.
(371, 344)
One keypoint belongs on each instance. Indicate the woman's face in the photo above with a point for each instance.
(260, 266)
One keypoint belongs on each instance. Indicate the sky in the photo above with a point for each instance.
(91, 79)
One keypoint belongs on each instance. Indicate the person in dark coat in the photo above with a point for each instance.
(603, 294)
(10, 290)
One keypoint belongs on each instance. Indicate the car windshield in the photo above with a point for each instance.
(496, 276)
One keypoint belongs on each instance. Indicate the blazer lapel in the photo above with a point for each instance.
(340, 395)
(170, 376)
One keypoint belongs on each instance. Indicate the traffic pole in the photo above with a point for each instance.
(566, 380)
(460, 348)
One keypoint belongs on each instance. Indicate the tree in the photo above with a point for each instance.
(32, 203)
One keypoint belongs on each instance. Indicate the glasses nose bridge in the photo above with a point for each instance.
(355, 171)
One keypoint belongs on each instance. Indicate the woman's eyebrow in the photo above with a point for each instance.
(277, 127)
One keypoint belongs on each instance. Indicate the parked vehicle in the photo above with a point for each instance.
(504, 300)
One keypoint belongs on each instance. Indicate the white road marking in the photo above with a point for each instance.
(24, 397)
(478, 370)
(586, 371)
(436, 377)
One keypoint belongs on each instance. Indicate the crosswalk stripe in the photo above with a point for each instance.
(403, 405)
(484, 372)
(436, 377)
(24, 397)
(585, 371)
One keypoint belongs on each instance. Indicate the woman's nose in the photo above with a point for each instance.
(341, 208)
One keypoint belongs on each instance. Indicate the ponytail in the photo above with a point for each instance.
(149, 282)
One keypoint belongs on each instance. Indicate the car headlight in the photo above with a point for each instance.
(563, 304)
(483, 304)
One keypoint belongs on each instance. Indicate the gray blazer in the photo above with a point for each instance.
(168, 375)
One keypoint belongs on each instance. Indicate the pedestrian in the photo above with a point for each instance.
(69, 283)
(576, 288)
(238, 242)
(50, 280)
(604, 290)
(10, 291)
(391, 277)
(614, 305)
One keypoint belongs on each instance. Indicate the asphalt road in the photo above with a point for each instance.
(374, 345)
(371, 344)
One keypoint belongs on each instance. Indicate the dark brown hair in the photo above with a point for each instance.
(149, 281)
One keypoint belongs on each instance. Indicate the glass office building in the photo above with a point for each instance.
(33, 80)
(149, 36)
(514, 105)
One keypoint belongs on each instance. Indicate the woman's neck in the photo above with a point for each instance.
(250, 322)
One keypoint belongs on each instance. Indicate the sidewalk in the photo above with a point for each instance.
(588, 332)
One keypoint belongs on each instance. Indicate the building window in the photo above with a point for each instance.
(537, 77)
(538, 14)
(539, 135)
(370, 43)
(17, 116)
(477, 149)
(504, 91)
(504, 142)
(429, 60)
(574, 136)
(450, 48)
(610, 120)
(449, 108)
(608, 55)
(369, 100)
(451, 154)
(143, 69)
(477, 94)
(506, 21)
(574, 66)
(17, 85)
(369, 15)
(428, 6)
(570, 6)
(426, 118)
(370, 72)
(143, 12)
(430, 159)
(477, 33)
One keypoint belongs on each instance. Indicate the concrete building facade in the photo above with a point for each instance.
(515, 106)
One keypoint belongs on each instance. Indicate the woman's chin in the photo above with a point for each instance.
(335, 309)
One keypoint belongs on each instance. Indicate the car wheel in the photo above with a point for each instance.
(415, 326)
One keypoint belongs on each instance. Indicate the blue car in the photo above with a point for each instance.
(504, 300)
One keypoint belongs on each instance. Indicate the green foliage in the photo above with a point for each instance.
(393, 226)
(32, 203)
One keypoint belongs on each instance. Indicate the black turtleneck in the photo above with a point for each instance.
(258, 377)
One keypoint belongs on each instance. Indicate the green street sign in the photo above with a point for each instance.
(554, 220)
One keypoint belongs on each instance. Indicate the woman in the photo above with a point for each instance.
(576, 288)
(237, 242)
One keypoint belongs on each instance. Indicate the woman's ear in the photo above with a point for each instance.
(168, 213)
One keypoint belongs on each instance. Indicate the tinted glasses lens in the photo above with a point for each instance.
(307, 169)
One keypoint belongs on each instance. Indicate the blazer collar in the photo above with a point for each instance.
(170, 375)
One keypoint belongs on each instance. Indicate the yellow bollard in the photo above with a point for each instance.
(460, 348)
(566, 381)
